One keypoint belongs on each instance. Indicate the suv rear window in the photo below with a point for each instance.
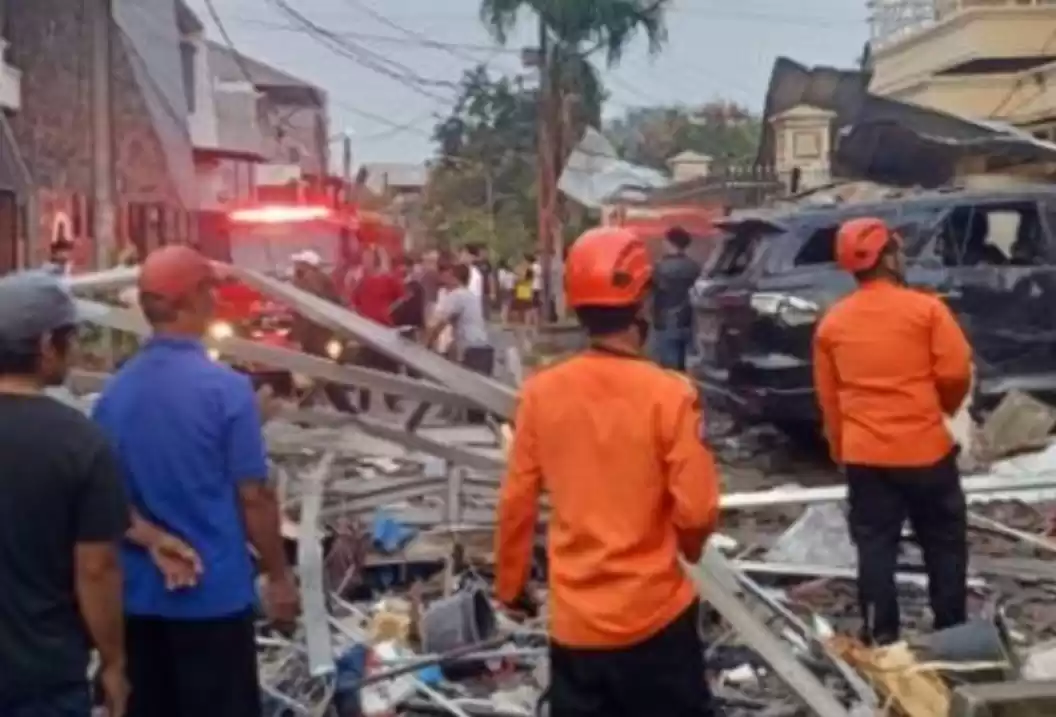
(741, 249)
(819, 248)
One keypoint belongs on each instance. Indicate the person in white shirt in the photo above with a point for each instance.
(506, 280)
(460, 310)
(468, 256)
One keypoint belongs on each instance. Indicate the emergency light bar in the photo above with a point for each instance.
(278, 214)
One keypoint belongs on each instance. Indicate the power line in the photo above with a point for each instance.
(459, 50)
(235, 54)
(362, 56)
(282, 123)
(736, 15)
(389, 39)
(394, 127)
(384, 20)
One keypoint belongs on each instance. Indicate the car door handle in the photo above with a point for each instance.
(949, 294)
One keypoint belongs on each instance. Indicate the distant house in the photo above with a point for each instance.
(689, 165)
(395, 178)
(402, 189)
(825, 125)
(291, 112)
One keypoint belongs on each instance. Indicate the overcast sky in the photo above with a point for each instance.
(716, 49)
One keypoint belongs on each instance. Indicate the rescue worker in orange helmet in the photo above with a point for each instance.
(615, 441)
(890, 364)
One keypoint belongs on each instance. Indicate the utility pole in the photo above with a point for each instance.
(346, 164)
(103, 213)
(546, 171)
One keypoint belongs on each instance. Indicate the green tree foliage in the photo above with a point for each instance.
(481, 187)
(584, 25)
(575, 30)
(650, 136)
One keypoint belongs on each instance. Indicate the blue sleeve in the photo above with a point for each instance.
(246, 455)
(99, 416)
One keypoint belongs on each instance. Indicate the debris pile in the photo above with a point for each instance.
(391, 528)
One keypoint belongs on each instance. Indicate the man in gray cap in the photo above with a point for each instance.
(63, 512)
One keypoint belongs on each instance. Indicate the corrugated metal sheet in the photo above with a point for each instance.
(149, 31)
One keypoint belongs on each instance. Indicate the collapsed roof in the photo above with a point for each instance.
(884, 140)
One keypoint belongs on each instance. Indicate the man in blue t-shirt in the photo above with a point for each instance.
(187, 433)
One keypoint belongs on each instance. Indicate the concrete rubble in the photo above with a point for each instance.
(391, 530)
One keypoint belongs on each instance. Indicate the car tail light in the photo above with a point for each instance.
(786, 308)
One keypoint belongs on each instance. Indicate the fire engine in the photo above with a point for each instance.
(263, 238)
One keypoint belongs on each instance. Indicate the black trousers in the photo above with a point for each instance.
(193, 668)
(881, 499)
(369, 358)
(661, 677)
(480, 359)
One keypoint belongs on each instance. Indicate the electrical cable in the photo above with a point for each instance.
(283, 124)
(362, 56)
(371, 37)
(384, 20)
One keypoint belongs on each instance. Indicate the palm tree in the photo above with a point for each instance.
(576, 29)
(572, 91)
(584, 24)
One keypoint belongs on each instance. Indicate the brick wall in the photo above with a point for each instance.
(51, 45)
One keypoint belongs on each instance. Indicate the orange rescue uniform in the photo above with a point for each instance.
(890, 363)
(616, 443)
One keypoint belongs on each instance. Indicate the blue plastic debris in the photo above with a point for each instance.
(431, 675)
(351, 669)
(390, 535)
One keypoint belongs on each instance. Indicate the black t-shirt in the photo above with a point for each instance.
(411, 309)
(673, 278)
(59, 486)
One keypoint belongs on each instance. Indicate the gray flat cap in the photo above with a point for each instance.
(33, 303)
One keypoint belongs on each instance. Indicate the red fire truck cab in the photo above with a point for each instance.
(264, 238)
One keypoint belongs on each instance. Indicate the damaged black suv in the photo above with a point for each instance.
(990, 254)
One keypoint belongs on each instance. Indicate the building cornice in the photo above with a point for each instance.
(956, 21)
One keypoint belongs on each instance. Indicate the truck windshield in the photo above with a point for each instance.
(267, 248)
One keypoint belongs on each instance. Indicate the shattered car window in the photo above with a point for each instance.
(741, 250)
(1001, 235)
(820, 248)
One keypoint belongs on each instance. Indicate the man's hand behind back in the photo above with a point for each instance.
(177, 561)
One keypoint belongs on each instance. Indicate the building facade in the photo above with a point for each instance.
(991, 60)
(291, 114)
(50, 42)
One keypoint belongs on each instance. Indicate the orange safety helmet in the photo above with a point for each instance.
(861, 242)
(607, 266)
(174, 272)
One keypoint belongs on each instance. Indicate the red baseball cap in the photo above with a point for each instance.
(174, 272)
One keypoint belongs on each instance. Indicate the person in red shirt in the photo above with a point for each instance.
(890, 364)
(378, 290)
(615, 442)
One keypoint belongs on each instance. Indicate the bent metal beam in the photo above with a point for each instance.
(131, 321)
(485, 392)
